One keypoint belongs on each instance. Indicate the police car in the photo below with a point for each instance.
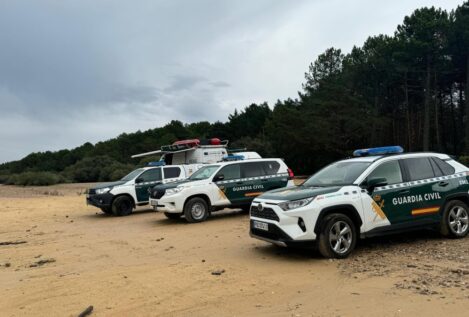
(121, 197)
(213, 187)
(380, 191)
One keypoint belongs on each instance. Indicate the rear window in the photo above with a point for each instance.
(252, 169)
(445, 167)
(171, 172)
(271, 167)
(419, 168)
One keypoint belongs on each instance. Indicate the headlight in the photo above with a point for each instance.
(173, 191)
(104, 190)
(294, 204)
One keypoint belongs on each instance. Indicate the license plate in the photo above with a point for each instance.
(154, 202)
(261, 225)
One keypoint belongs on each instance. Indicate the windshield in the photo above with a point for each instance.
(338, 173)
(204, 173)
(132, 175)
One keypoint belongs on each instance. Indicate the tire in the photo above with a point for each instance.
(329, 244)
(122, 206)
(172, 216)
(107, 210)
(455, 220)
(196, 210)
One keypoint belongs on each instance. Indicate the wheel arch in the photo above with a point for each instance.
(203, 196)
(464, 197)
(347, 210)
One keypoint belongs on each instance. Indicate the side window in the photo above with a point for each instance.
(232, 171)
(252, 169)
(445, 167)
(151, 175)
(171, 172)
(389, 170)
(436, 170)
(271, 167)
(419, 168)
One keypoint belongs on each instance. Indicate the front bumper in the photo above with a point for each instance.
(171, 204)
(100, 200)
(278, 237)
(285, 228)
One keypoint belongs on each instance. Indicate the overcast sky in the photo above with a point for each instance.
(78, 71)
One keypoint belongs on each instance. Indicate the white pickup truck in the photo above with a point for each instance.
(121, 197)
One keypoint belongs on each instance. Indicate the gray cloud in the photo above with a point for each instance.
(77, 71)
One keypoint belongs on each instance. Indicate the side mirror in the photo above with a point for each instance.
(138, 180)
(376, 182)
(219, 177)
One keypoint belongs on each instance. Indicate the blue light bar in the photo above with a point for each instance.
(231, 157)
(396, 149)
(157, 163)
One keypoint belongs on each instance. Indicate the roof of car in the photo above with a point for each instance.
(401, 155)
(244, 161)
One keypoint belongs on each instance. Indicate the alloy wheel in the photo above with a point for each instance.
(340, 237)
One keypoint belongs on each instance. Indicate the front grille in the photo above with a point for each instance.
(158, 193)
(265, 213)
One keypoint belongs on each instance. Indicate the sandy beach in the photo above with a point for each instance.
(59, 256)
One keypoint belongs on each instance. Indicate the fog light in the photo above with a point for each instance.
(301, 224)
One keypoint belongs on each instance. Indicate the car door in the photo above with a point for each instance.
(427, 190)
(384, 195)
(255, 181)
(228, 179)
(145, 181)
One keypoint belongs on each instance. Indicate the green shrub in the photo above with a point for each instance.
(97, 168)
(4, 178)
(35, 179)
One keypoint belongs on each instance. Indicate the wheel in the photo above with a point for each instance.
(122, 206)
(107, 210)
(338, 236)
(172, 216)
(455, 221)
(196, 210)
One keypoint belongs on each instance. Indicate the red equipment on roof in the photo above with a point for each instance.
(189, 143)
(215, 141)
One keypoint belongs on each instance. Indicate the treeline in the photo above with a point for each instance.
(409, 89)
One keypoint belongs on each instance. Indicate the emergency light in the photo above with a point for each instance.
(231, 157)
(396, 149)
(157, 163)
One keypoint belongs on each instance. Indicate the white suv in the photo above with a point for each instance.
(372, 194)
(216, 186)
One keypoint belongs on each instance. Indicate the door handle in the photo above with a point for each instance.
(239, 183)
(403, 191)
(264, 179)
(443, 183)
